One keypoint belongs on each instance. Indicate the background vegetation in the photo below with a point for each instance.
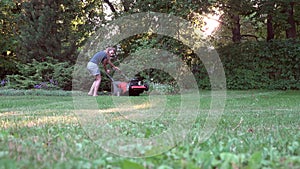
(258, 41)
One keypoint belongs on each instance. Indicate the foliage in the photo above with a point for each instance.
(8, 36)
(56, 29)
(263, 65)
(164, 89)
(276, 12)
(180, 8)
(249, 65)
(235, 16)
(42, 75)
(259, 129)
(149, 42)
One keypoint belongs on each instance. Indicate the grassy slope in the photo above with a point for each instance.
(258, 129)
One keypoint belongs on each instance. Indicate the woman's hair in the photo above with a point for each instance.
(110, 49)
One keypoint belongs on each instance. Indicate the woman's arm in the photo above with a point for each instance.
(111, 64)
(107, 60)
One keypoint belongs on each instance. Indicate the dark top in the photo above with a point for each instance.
(99, 57)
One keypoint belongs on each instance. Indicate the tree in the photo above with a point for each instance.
(281, 17)
(291, 31)
(57, 29)
(266, 11)
(234, 14)
(8, 36)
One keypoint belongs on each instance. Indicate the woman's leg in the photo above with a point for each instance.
(92, 89)
(97, 84)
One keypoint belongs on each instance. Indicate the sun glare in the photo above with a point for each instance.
(211, 24)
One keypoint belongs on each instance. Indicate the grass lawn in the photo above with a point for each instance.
(258, 129)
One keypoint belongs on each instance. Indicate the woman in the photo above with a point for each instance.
(104, 58)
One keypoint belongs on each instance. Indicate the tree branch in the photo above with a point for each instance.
(251, 36)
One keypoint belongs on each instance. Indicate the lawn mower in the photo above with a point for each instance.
(133, 87)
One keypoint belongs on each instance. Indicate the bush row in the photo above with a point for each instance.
(262, 65)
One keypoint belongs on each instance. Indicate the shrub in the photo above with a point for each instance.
(159, 88)
(262, 65)
(42, 75)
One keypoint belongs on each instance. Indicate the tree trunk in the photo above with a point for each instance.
(126, 5)
(236, 29)
(270, 28)
(291, 31)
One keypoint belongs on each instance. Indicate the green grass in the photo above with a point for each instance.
(258, 129)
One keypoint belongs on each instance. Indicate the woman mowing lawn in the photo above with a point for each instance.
(104, 58)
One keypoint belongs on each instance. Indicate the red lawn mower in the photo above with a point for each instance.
(133, 87)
